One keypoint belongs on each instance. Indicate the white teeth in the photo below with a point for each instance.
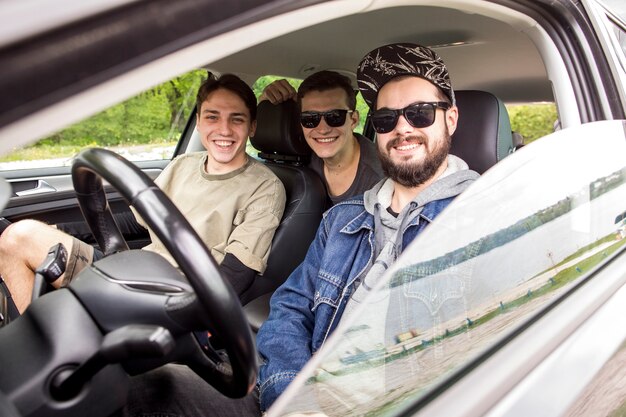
(223, 143)
(407, 147)
(325, 140)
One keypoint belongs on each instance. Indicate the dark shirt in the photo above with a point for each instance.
(368, 173)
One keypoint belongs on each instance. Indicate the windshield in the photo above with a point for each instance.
(519, 238)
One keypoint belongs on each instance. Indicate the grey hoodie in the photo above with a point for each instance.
(454, 180)
(388, 229)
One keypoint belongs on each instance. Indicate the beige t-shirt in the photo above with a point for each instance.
(236, 213)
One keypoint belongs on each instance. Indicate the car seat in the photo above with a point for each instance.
(483, 135)
(282, 148)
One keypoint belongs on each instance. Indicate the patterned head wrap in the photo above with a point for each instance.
(390, 61)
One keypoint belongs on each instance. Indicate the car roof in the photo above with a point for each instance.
(474, 47)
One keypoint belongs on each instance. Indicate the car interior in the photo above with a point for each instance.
(497, 55)
(483, 137)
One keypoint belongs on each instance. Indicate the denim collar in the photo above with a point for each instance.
(365, 220)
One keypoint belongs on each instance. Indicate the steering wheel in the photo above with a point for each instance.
(218, 306)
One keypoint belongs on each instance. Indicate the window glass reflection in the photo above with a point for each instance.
(524, 234)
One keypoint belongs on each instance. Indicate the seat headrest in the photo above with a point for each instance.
(279, 134)
(483, 135)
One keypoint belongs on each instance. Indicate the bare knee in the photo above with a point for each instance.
(19, 236)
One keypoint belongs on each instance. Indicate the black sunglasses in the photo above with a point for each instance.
(334, 118)
(418, 115)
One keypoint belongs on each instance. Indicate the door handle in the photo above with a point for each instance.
(40, 188)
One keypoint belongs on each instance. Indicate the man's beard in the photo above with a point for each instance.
(412, 174)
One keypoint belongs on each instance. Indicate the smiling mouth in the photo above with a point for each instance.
(407, 147)
(325, 140)
(224, 144)
(406, 144)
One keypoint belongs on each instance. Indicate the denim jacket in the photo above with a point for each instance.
(309, 305)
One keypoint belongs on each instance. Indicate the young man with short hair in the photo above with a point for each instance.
(346, 161)
(232, 201)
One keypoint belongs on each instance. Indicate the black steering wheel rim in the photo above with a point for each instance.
(215, 296)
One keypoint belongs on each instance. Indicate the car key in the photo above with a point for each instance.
(50, 269)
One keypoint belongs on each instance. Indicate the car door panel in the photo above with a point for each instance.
(48, 195)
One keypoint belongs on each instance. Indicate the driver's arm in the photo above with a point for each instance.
(240, 276)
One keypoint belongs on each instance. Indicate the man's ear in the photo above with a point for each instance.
(252, 129)
(354, 119)
(197, 119)
(452, 118)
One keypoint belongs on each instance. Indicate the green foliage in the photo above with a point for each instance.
(266, 80)
(181, 95)
(363, 109)
(150, 117)
(33, 153)
(533, 121)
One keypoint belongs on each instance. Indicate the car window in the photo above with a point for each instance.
(524, 235)
(533, 120)
(144, 127)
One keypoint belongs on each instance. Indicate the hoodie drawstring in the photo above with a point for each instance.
(379, 235)
(379, 240)
(400, 233)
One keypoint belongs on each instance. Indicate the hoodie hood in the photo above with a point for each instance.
(388, 227)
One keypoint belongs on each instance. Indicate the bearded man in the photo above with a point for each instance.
(408, 89)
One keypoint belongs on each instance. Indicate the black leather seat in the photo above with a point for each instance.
(283, 149)
(483, 135)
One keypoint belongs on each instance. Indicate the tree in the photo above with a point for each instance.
(533, 121)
